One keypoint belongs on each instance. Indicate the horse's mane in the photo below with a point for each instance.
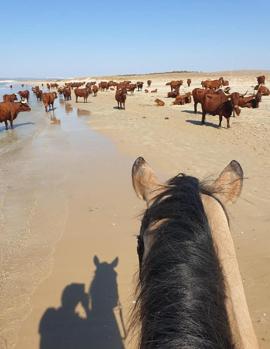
(181, 293)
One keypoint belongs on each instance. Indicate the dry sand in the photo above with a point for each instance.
(90, 199)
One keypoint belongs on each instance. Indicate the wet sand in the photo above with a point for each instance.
(68, 197)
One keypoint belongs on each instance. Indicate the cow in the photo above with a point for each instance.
(218, 104)
(213, 84)
(188, 82)
(103, 85)
(67, 93)
(159, 102)
(198, 96)
(139, 85)
(10, 110)
(146, 91)
(173, 94)
(48, 100)
(264, 90)
(24, 95)
(131, 88)
(120, 96)
(95, 90)
(10, 98)
(225, 83)
(183, 99)
(82, 92)
(149, 82)
(175, 84)
(154, 91)
(261, 80)
(38, 93)
(246, 102)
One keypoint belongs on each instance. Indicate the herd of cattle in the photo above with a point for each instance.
(214, 96)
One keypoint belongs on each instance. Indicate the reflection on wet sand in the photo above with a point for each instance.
(97, 328)
(68, 108)
(83, 112)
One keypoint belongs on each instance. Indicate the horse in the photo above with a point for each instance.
(190, 293)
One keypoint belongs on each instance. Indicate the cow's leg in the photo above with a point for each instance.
(124, 105)
(220, 120)
(228, 123)
(195, 107)
(6, 124)
(203, 117)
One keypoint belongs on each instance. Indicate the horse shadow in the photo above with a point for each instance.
(197, 122)
(65, 328)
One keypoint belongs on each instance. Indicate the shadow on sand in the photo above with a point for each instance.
(64, 328)
(198, 122)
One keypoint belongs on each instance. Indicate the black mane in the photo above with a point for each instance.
(181, 293)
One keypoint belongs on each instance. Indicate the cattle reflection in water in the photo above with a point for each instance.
(64, 328)
(83, 112)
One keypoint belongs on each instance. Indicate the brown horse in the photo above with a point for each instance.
(190, 292)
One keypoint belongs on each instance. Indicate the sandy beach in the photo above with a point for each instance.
(67, 197)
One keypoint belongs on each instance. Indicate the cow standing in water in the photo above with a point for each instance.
(48, 100)
(10, 110)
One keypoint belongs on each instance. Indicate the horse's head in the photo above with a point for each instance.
(226, 188)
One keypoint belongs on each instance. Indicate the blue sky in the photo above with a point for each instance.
(84, 37)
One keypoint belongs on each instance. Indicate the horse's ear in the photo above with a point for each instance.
(114, 263)
(96, 261)
(144, 180)
(229, 183)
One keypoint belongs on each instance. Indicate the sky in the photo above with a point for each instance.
(57, 38)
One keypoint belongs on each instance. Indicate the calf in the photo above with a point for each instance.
(139, 85)
(184, 99)
(154, 91)
(159, 102)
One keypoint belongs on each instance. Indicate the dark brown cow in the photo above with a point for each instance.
(188, 82)
(82, 92)
(154, 91)
(120, 96)
(264, 90)
(149, 82)
(24, 94)
(261, 79)
(67, 93)
(10, 98)
(48, 100)
(175, 84)
(95, 90)
(225, 83)
(131, 88)
(10, 110)
(218, 104)
(183, 99)
(139, 85)
(173, 94)
(38, 94)
(103, 85)
(212, 84)
(146, 91)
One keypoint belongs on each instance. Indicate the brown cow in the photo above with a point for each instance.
(24, 94)
(261, 79)
(82, 92)
(103, 85)
(48, 100)
(213, 84)
(146, 91)
(198, 96)
(218, 104)
(67, 93)
(38, 94)
(175, 84)
(173, 94)
(188, 82)
(154, 91)
(131, 88)
(95, 90)
(246, 102)
(10, 110)
(10, 98)
(149, 82)
(120, 96)
(159, 102)
(264, 90)
(183, 99)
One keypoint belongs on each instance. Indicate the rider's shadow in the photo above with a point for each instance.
(64, 328)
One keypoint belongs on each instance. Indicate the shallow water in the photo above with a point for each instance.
(47, 169)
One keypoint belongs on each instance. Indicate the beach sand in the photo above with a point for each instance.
(85, 205)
